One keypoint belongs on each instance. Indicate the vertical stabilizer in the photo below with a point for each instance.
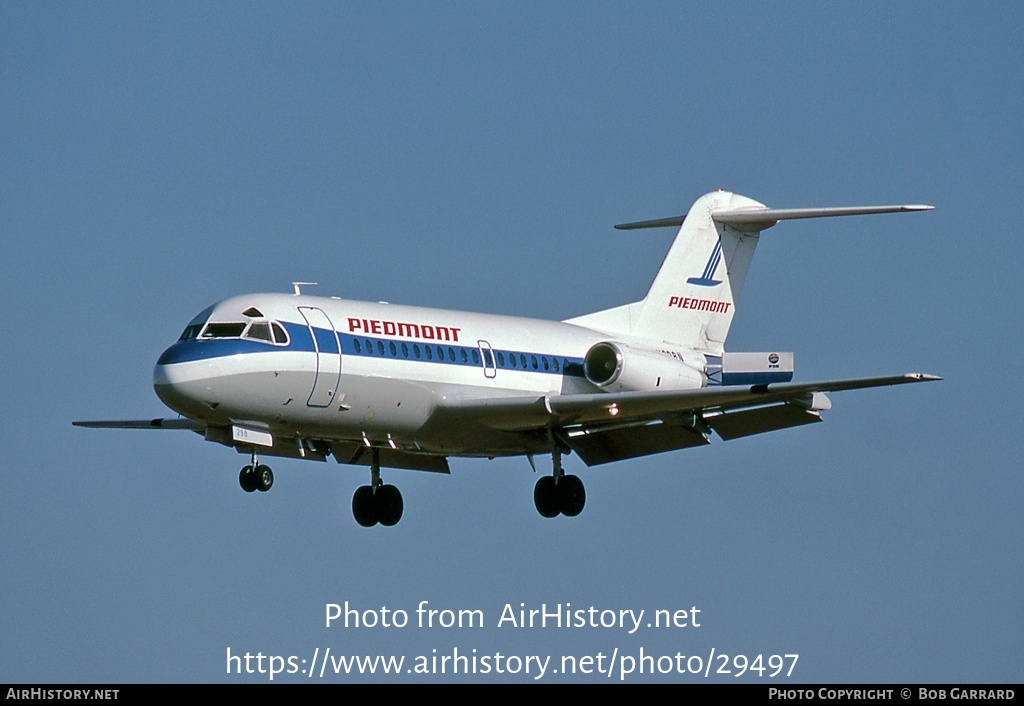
(694, 296)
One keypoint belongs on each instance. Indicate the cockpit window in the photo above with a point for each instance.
(259, 330)
(223, 330)
(196, 325)
(190, 332)
(253, 312)
(279, 335)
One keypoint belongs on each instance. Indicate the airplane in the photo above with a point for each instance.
(406, 387)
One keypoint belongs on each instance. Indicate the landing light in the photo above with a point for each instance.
(613, 410)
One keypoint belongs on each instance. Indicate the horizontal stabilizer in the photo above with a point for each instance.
(657, 223)
(757, 219)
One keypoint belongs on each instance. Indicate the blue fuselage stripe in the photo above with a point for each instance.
(371, 347)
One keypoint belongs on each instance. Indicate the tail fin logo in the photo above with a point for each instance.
(705, 280)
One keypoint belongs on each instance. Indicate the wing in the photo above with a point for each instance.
(145, 424)
(605, 427)
(344, 452)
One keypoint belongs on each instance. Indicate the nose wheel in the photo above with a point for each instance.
(255, 477)
(377, 503)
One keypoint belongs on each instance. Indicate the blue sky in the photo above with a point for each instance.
(160, 157)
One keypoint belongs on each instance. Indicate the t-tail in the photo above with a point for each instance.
(694, 296)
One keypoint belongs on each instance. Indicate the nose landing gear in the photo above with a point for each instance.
(256, 477)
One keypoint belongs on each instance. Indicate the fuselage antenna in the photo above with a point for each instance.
(296, 286)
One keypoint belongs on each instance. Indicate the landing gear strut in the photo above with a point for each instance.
(377, 502)
(559, 493)
(256, 476)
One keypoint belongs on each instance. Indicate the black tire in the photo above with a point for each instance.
(389, 505)
(247, 479)
(545, 497)
(572, 496)
(364, 507)
(264, 478)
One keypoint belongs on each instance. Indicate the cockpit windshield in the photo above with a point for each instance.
(231, 330)
(266, 331)
(196, 325)
(190, 332)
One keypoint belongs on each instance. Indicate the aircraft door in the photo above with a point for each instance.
(328, 356)
(487, 359)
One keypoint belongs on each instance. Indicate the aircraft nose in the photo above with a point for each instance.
(174, 386)
(168, 386)
(164, 373)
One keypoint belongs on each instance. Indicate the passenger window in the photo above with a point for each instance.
(544, 362)
(533, 361)
(369, 346)
(223, 330)
(440, 353)
(260, 331)
(554, 364)
(430, 356)
(380, 347)
(394, 349)
(451, 354)
(501, 359)
(476, 356)
(488, 358)
(416, 349)
(279, 335)
(522, 360)
(405, 351)
(512, 359)
(465, 357)
(358, 346)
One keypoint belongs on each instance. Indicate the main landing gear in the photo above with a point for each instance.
(559, 493)
(377, 502)
(256, 477)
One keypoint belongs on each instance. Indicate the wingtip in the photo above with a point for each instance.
(923, 377)
(918, 207)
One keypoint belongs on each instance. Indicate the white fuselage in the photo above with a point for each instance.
(336, 369)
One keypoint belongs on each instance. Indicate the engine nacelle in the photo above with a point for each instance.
(618, 367)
